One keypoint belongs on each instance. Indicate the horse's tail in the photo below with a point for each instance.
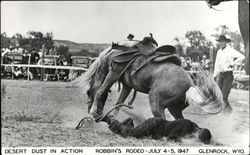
(85, 81)
(205, 93)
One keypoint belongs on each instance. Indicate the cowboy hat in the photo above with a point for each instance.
(223, 38)
(130, 36)
(204, 135)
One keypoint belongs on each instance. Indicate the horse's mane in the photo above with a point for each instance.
(86, 81)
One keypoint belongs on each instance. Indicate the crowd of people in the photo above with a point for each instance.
(189, 65)
(18, 55)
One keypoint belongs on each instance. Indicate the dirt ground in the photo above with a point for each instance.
(36, 113)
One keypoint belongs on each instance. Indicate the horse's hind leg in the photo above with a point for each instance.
(176, 110)
(156, 108)
(123, 95)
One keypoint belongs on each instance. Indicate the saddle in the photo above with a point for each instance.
(166, 53)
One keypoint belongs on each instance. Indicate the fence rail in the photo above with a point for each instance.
(46, 66)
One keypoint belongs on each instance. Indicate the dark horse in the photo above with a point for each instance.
(243, 17)
(167, 84)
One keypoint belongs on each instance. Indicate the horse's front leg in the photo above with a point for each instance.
(101, 95)
(123, 95)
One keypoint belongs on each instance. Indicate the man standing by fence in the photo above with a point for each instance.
(226, 59)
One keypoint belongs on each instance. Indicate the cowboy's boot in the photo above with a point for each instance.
(118, 128)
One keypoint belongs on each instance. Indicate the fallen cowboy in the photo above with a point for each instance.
(155, 128)
(158, 128)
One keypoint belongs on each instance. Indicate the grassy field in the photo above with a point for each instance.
(36, 113)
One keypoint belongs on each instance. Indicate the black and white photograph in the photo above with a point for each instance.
(125, 77)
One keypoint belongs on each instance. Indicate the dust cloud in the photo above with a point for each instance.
(229, 129)
(72, 115)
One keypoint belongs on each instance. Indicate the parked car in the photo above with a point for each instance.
(51, 59)
(81, 61)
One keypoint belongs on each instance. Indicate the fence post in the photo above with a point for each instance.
(42, 69)
(211, 56)
(28, 70)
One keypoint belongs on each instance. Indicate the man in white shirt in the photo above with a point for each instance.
(226, 59)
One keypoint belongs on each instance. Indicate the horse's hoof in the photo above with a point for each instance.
(96, 117)
(227, 110)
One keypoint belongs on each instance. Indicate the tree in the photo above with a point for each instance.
(18, 36)
(4, 34)
(5, 41)
(62, 50)
(37, 39)
(35, 35)
(199, 45)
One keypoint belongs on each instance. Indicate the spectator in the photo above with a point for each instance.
(7, 50)
(52, 51)
(130, 37)
(41, 62)
(14, 50)
(25, 59)
(60, 61)
(34, 57)
(226, 59)
(3, 52)
(183, 62)
(7, 70)
(11, 49)
(17, 74)
(6, 59)
(188, 62)
(19, 50)
(65, 63)
(205, 62)
(26, 73)
(64, 73)
(40, 53)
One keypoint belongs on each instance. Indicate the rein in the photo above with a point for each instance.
(117, 106)
(80, 124)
